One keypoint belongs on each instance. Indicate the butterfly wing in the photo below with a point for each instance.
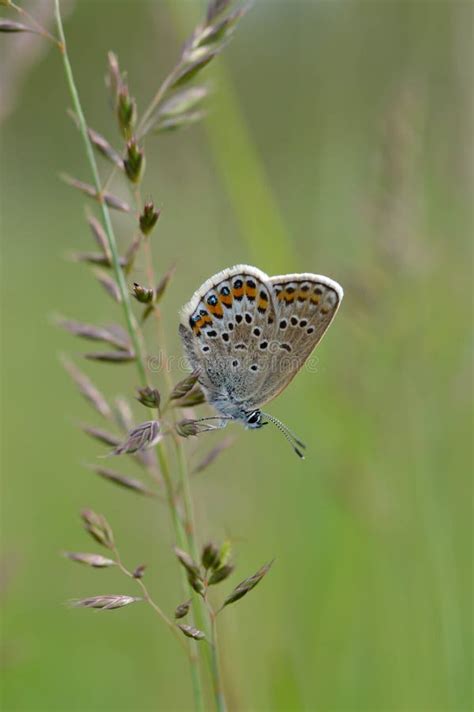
(305, 305)
(227, 328)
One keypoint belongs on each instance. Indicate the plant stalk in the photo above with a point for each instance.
(208, 626)
(129, 316)
(109, 231)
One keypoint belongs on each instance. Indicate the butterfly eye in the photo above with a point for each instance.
(254, 418)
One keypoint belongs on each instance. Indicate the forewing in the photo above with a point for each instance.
(227, 328)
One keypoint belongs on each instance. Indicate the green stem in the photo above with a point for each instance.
(181, 540)
(109, 231)
(218, 689)
(207, 626)
(129, 317)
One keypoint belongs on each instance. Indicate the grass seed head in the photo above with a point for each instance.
(105, 603)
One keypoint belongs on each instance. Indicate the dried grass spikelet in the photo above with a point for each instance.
(142, 437)
(85, 386)
(98, 527)
(107, 602)
(191, 632)
(129, 483)
(109, 199)
(247, 585)
(97, 561)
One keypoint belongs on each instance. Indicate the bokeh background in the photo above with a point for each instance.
(338, 141)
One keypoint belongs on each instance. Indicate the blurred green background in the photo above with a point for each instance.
(339, 141)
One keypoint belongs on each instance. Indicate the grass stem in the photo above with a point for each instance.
(109, 231)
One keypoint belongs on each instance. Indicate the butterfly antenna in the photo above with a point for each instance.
(295, 443)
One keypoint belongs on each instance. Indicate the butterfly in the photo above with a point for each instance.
(247, 335)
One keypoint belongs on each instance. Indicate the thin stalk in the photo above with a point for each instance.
(218, 690)
(40, 30)
(181, 532)
(181, 540)
(149, 599)
(109, 231)
(129, 316)
(208, 626)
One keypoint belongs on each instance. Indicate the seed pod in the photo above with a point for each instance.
(182, 610)
(87, 389)
(98, 527)
(139, 571)
(111, 356)
(129, 483)
(210, 555)
(142, 294)
(113, 77)
(109, 284)
(111, 200)
(95, 258)
(172, 123)
(95, 560)
(183, 101)
(163, 283)
(142, 437)
(149, 397)
(105, 603)
(188, 562)
(221, 574)
(225, 552)
(11, 26)
(247, 585)
(196, 584)
(101, 435)
(191, 632)
(132, 253)
(113, 334)
(186, 428)
(99, 235)
(148, 218)
(194, 397)
(134, 162)
(188, 70)
(126, 112)
(184, 386)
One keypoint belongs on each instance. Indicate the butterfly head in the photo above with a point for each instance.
(253, 419)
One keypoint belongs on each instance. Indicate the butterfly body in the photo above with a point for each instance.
(248, 334)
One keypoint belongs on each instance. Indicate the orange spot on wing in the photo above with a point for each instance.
(237, 293)
(216, 309)
(226, 299)
(262, 304)
(250, 291)
(200, 323)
